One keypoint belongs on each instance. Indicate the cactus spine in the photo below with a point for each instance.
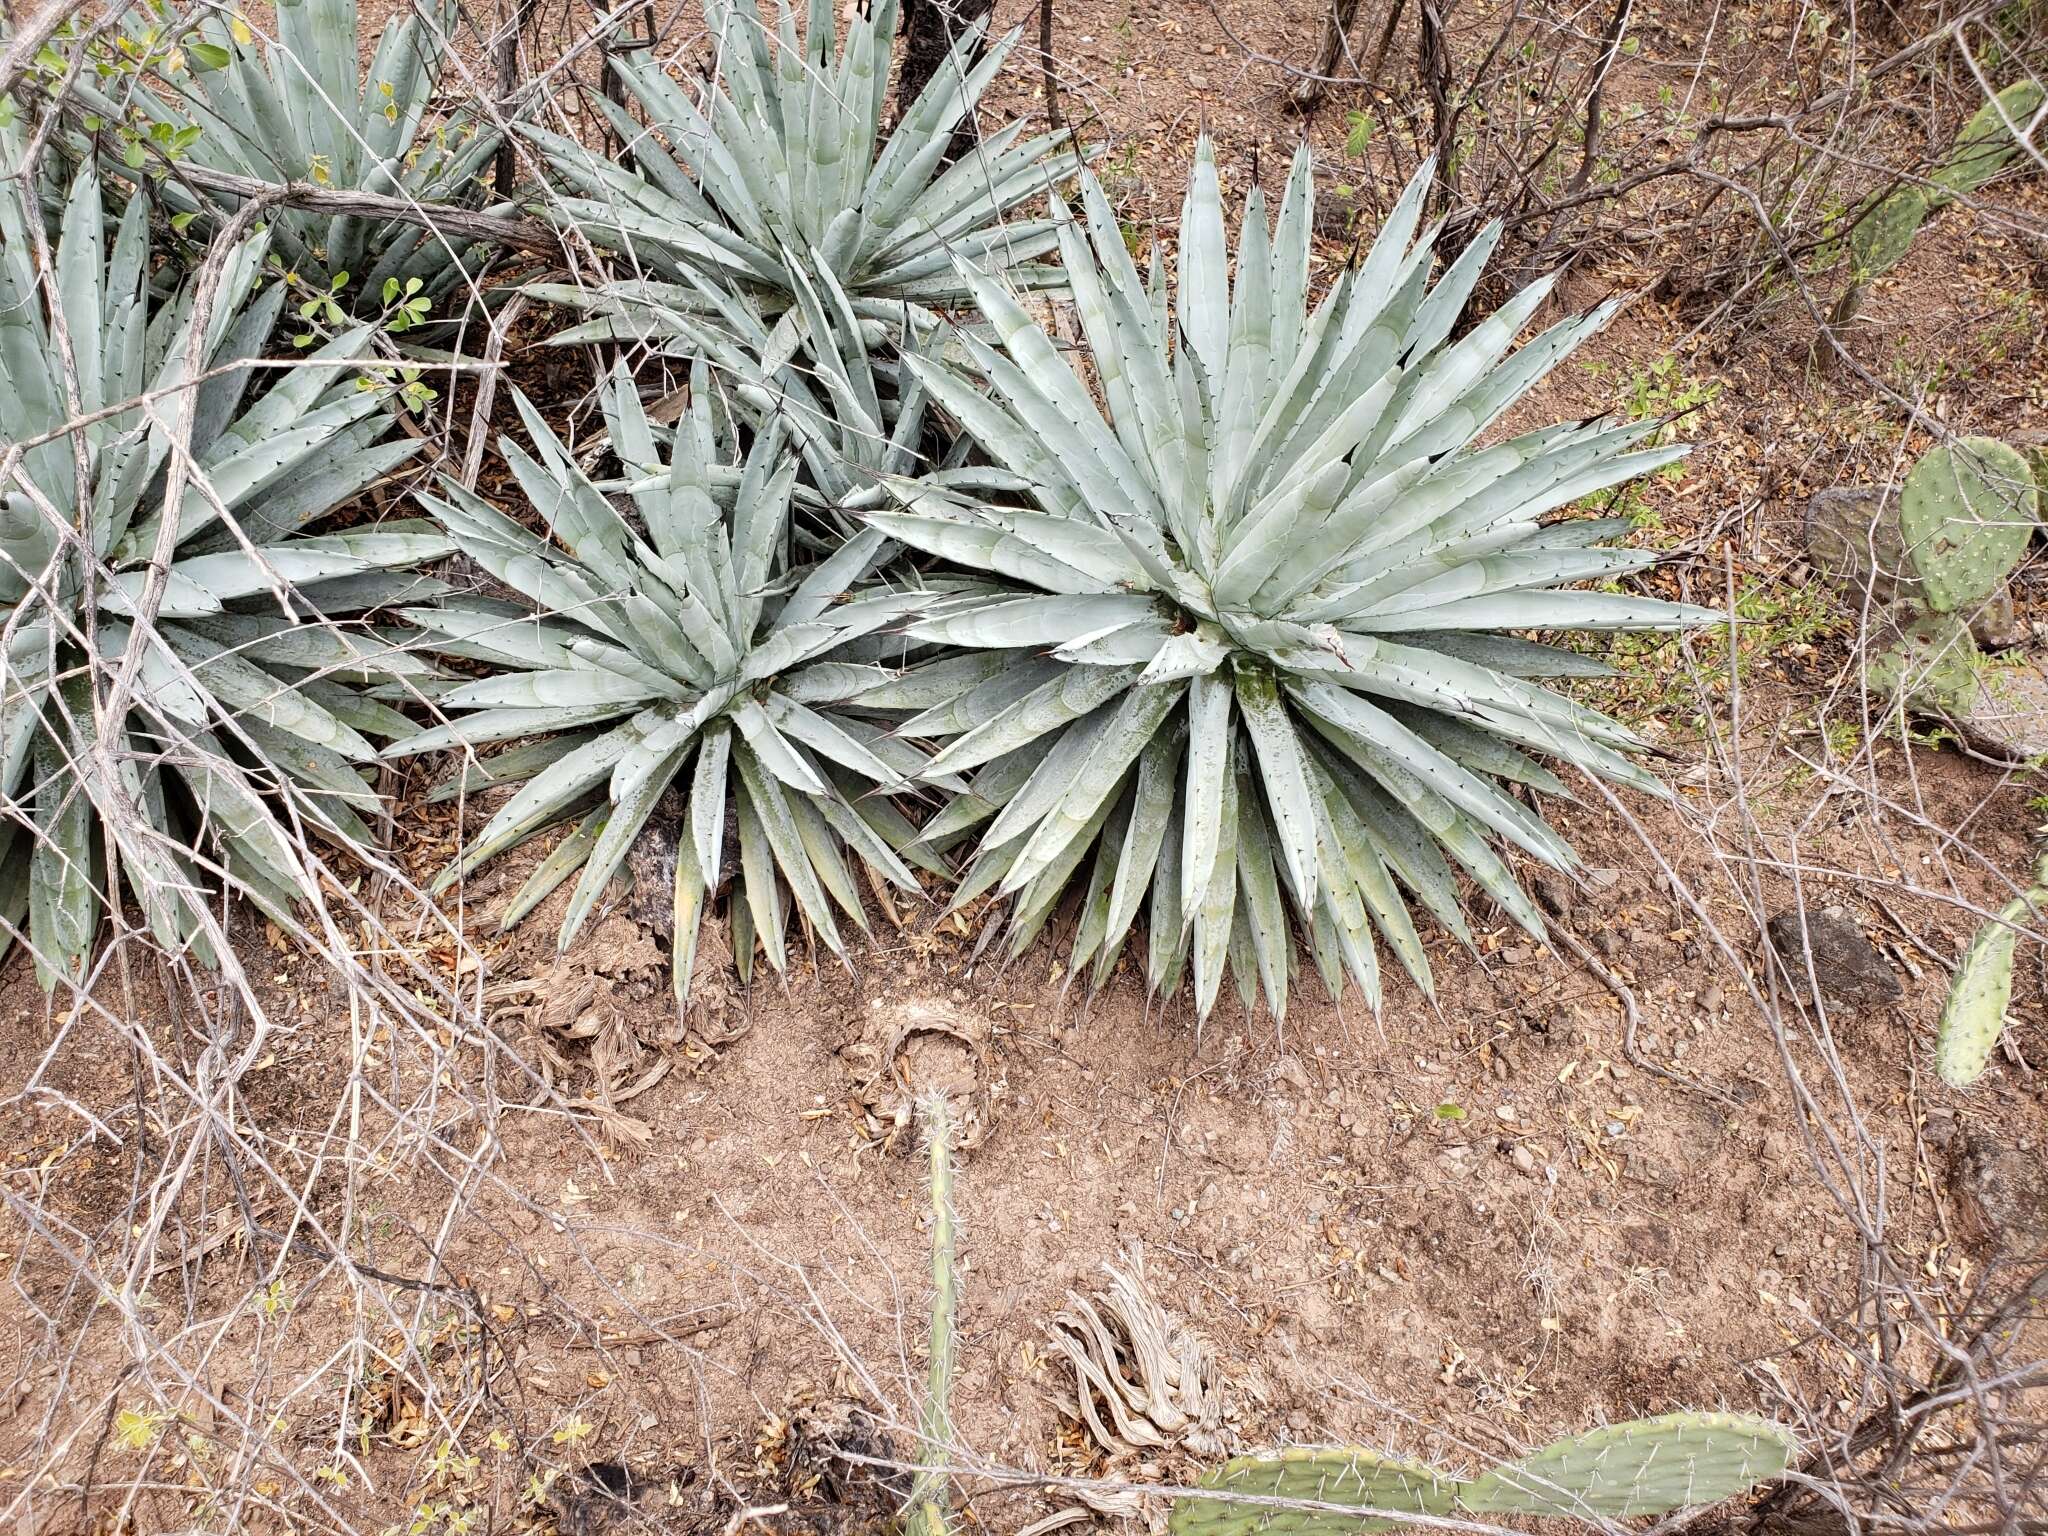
(1966, 514)
(1347, 1475)
(1884, 233)
(1986, 144)
(1646, 1467)
(1974, 1016)
(931, 1496)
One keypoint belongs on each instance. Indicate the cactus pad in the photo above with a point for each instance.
(1974, 1016)
(1986, 144)
(1926, 657)
(1346, 1475)
(1647, 1467)
(1883, 235)
(1966, 514)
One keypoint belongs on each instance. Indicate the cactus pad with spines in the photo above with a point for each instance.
(1928, 658)
(1986, 143)
(1974, 1016)
(1882, 236)
(1646, 1467)
(1966, 514)
(1348, 1475)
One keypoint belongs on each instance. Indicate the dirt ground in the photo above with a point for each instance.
(1457, 1229)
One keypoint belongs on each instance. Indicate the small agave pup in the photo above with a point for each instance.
(781, 184)
(238, 685)
(687, 649)
(1246, 637)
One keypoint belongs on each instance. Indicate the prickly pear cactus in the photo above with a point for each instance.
(1974, 1016)
(1966, 514)
(1347, 1475)
(1986, 144)
(1647, 1467)
(1882, 236)
(1927, 658)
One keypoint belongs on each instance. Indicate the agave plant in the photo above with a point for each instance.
(682, 646)
(299, 108)
(1246, 637)
(197, 612)
(781, 182)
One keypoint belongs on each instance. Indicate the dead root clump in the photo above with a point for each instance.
(601, 1024)
(1145, 1386)
(915, 1048)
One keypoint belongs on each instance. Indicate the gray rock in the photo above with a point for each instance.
(2007, 717)
(1555, 892)
(1997, 625)
(1844, 963)
(1852, 533)
(2005, 1191)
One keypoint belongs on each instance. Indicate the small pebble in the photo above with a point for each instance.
(1523, 1159)
(1710, 999)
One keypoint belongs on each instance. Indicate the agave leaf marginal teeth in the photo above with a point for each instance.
(716, 601)
(244, 702)
(1298, 478)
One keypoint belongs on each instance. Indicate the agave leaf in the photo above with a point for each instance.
(1285, 774)
(1212, 917)
(1262, 917)
(615, 840)
(1209, 771)
(828, 739)
(1049, 781)
(777, 832)
(542, 798)
(563, 860)
(1014, 623)
(1141, 713)
(1070, 695)
(63, 904)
